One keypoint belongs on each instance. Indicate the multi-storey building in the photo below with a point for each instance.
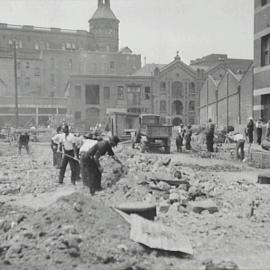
(261, 92)
(46, 57)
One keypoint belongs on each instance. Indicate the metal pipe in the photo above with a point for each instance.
(16, 83)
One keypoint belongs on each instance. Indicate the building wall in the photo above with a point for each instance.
(261, 67)
(232, 102)
(118, 98)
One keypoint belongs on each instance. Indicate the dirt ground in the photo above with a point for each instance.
(44, 225)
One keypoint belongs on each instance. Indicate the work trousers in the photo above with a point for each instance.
(64, 164)
(90, 173)
(240, 153)
(25, 145)
(179, 143)
(210, 145)
(259, 136)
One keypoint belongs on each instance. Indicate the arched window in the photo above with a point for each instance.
(177, 89)
(191, 106)
(192, 89)
(177, 108)
(163, 106)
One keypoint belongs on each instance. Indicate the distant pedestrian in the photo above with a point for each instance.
(210, 138)
(180, 138)
(259, 126)
(24, 142)
(67, 143)
(57, 156)
(250, 130)
(188, 137)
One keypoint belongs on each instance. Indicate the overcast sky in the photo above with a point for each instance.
(153, 28)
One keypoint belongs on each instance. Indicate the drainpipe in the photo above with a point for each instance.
(227, 98)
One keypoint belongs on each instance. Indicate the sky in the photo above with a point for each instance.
(156, 29)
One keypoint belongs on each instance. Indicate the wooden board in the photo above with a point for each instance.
(158, 236)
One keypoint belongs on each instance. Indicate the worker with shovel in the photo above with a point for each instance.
(91, 165)
(67, 142)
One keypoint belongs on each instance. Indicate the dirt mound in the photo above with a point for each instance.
(75, 232)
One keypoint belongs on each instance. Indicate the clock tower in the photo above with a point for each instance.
(105, 27)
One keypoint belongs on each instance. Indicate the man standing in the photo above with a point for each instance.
(24, 142)
(210, 138)
(259, 127)
(55, 141)
(90, 162)
(67, 142)
(188, 138)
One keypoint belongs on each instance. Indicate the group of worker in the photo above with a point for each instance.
(82, 153)
(183, 138)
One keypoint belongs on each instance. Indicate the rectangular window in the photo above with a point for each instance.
(78, 115)
(107, 93)
(265, 49)
(163, 87)
(147, 92)
(27, 82)
(27, 65)
(265, 2)
(37, 71)
(112, 65)
(78, 91)
(120, 92)
(52, 79)
(91, 94)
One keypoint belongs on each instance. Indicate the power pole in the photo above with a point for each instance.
(16, 83)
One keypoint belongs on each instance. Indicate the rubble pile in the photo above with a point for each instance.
(217, 205)
(74, 231)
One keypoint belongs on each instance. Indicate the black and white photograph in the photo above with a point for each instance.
(135, 134)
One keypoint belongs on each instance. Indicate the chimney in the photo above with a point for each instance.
(107, 3)
(100, 3)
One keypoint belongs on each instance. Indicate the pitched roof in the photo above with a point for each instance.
(104, 12)
(147, 70)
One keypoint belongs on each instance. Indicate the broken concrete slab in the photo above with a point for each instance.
(200, 206)
(158, 236)
(263, 179)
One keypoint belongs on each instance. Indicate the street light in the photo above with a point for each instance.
(14, 44)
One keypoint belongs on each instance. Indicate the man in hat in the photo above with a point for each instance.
(259, 127)
(67, 142)
(90, 162)
(24, 142)
(210, 138)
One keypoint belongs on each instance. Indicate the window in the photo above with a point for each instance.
(18, 65)
(162, 87)
(27, 82)
(106, 93)
(37, 71)
(177, 89)
(78, 91)
(265, 2)
(70, 64)
(265, 58)
(52, 62)
(191, 106)
(27, 65)
(63, 46)
(191, 120)
(20, 44)
(68, 45)
(78, 115)
(192, 89)
(120, 92)
(147, 92)
(91, 94)
(112, 65)
(73, 46)
(10, 43)
(163, 107)
(52, 79)
(36, 46)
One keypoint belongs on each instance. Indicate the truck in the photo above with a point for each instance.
(152, 134)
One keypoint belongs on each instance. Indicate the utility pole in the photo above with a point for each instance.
(16, 83)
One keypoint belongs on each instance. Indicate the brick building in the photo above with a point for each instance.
(262, 60)
(46, 58)
(227, 100)
(170, 90)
